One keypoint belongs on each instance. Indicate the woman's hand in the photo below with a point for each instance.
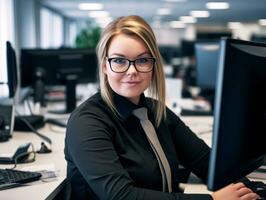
(236, 191)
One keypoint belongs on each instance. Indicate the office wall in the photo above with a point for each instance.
(27, 22)
(6, 34)
(247, 30)
(172, 37)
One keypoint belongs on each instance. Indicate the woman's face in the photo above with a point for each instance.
(130, 84)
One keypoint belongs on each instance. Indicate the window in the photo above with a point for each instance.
(72, 33)
(6, 34)
(51, 29)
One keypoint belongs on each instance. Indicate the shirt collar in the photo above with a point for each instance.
(126, 107)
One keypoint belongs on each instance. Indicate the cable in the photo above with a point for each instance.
(56, 122)
(205, 132)
(47, 139)
(19, 156)
(28, 104)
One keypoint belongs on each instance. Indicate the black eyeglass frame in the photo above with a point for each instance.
(133, 62)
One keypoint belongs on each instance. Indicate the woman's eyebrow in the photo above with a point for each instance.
(122, 55)
(144, 53)
(117, 54)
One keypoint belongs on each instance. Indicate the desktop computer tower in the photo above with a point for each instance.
(6, 122)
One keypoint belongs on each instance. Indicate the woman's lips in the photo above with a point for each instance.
(132, 83)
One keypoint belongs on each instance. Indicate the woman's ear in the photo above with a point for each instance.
(104, 68)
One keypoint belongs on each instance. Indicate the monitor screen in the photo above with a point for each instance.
(56, 63)
(187, 48)
(214, 36)
(52, 67)
(12, 79)
(168, 53)
(239, 132)
(207, 55)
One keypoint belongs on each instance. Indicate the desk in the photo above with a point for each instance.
(48, 190)
(38, 190)
(194, 186)
(202, 126)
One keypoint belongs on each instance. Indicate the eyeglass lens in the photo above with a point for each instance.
(122, 64)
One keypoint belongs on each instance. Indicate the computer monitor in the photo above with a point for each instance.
(168, 53)
(214, 36)
(239, 131)
(187, 48)
(12, 76)
(53, 67)
(207, 55)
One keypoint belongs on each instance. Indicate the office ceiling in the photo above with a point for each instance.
(247, 11)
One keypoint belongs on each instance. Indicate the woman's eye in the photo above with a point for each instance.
(119, 60)
(142, 60)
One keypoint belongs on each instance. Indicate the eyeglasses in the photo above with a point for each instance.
(121, 65)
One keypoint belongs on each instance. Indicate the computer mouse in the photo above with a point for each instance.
(261, 191)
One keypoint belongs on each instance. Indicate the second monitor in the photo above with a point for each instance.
(207, 56)
(52, 67)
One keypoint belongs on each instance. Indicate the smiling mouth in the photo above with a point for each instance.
(132, 82)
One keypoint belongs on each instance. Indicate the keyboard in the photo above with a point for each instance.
(10, 178)
(258, 187)
(187, 112)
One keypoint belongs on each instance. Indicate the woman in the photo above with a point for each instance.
(108, 153)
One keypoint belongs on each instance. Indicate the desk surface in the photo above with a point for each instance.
(194, 186)
(202, 126)
(38, 190)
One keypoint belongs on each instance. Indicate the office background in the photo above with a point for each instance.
(178, 25)
(53, 24)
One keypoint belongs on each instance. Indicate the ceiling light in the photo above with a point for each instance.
(98, 14)
(234, 25)
(188, 19)
(163, 11)
(200, 13)
(262, 22)
(177, 24)
(217, 5)
(175, 1)
(90, 6)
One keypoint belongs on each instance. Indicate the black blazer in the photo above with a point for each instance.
(109, 156)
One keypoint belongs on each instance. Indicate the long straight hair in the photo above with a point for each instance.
(133, 26)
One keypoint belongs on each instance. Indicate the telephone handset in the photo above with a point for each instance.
(21, 155)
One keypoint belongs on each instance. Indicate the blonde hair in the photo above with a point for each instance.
(135, 26)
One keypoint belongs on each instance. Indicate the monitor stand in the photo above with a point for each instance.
(70, 100)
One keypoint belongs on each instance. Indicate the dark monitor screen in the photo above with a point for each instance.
(57, 63)
(215, 36)
(258, 38)
(12, 79)
(207, 55)
(187, 48)
(51, 67)
(168, 53)
(239, 134)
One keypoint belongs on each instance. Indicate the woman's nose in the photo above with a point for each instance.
(131, 69)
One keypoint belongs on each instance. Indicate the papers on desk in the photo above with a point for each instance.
(177, 105)
(48, 171)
